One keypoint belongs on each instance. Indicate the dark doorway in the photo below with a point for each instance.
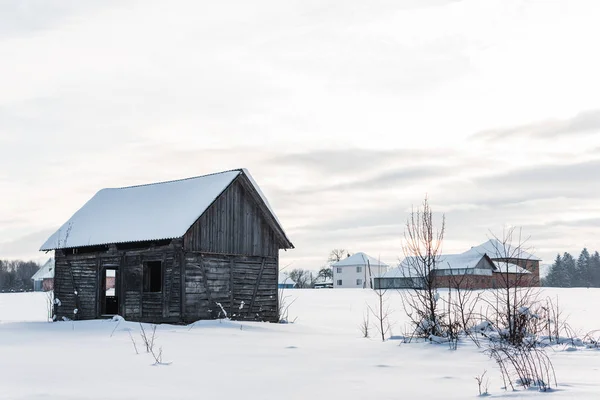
(109, 291)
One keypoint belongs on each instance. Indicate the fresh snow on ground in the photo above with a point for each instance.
(320, 356)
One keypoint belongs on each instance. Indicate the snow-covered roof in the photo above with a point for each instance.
(323, 280)
(284, 279)
(400, 272)
(359, 259)
(155, 211)
(495, 249)
(45, 272)
(447, 261)
(510, 268)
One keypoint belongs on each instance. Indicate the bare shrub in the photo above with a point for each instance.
(483, 384)
(422, 247)
(284, 304)
(149, 342)
(381, 313)
(50, 305)
(514, 300)
(133, 341)
(592, 339)
(365, 325)
(527, 365)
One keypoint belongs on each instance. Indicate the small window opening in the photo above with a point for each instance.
(153, 276)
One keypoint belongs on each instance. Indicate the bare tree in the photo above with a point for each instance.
(381, 312)
(461, 307)
(338, 255)
(302, 277)
(422, 246)
(513, 303)
(325, 273)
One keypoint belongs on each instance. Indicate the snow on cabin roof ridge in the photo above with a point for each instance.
(240, 170)
(153, 211)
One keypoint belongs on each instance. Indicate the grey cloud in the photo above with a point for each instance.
(583, 123)
(353, 159)
(577, 223)
(381, 181)
(527, 184)
(25, 246)
(28, 16)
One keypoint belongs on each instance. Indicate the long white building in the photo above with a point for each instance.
(357, 271)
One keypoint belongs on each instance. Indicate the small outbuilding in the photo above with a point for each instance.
(285, 282)
(174, 251)
(43, 279)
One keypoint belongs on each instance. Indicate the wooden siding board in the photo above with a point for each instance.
(233, 224)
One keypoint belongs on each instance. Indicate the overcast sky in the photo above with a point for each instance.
(346, 112)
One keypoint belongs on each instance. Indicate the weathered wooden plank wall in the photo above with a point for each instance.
(210, 281)
(236, 223)
(82, 273)
(255, 286)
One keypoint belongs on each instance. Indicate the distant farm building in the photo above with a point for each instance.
(43, 279)
(489, 265)
(322, 282)
(285, 282)
(174, 251)
(357, 271)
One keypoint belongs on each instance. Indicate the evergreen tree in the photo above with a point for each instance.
(595, 270)
(570, 275)
(583, 269)
(553, 277)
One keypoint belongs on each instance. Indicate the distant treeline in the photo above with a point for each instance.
(15, 275)
(569, 272)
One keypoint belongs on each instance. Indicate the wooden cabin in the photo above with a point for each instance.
(177, 251)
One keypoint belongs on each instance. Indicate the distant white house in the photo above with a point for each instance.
(43, 279)
(357, 271)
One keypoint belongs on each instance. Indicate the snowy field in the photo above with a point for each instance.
(320, 356)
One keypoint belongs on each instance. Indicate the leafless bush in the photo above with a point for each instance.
(527, 366)
(146, 339)
(149, 342)
(50, 305)
(381, 313)
(284, 305)
(133, 341)
(483, 384)
(592, 339)
(422, 247)
(365, 325)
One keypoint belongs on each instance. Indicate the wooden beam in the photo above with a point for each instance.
(183, 272)
(205, 281)
(258, 279)
(231, 266)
